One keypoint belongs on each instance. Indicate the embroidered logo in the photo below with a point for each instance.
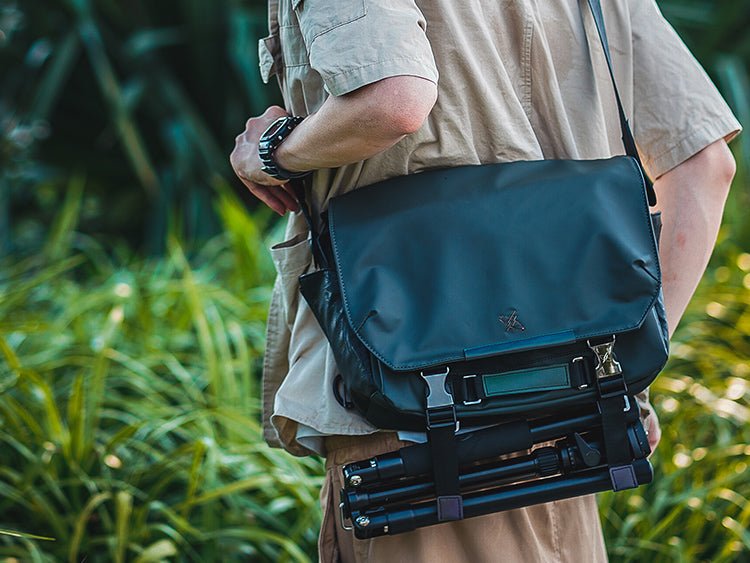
(511, 322)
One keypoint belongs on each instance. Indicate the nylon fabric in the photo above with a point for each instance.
(573, 256)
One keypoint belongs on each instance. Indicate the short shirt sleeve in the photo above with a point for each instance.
(678, 110)
(352, 43)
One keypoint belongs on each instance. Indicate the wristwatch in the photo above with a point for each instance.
(270, 141)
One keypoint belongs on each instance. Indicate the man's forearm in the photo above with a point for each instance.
(358, 125)
(691, 198)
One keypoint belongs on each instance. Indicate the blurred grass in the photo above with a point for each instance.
(145, 97)
(129, 418)
(698, 506)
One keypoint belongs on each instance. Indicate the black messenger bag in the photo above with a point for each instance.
(521, 300)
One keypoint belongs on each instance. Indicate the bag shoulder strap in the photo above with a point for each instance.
(627, 135)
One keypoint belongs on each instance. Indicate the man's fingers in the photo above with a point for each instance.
(273, 196)
(286, 194)
(272, 201)
(654, 433)
(281, 195)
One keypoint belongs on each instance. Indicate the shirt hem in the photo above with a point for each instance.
(349, 80)
(689, 145)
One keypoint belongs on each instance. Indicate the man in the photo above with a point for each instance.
(394, 87)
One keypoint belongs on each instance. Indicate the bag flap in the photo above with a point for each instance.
(483, 260)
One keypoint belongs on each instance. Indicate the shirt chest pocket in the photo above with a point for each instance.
(317, 17)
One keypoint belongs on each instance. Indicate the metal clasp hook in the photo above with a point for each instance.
(606, 365)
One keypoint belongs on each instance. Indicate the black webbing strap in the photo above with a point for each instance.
(627, 135)
(443, 451)
(613, 393)
(440, 413)
(615, 404)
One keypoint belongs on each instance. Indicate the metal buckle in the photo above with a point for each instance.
(582, 386)
(468, 403)
(343, 517)
(626, 408)
(606, 365)
(627, 404)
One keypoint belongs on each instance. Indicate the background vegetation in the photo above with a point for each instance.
(133, 290)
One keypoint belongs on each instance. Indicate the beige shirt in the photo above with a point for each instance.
(517, 80)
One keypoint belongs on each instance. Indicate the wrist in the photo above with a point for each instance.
(284, 157)
(269, 143)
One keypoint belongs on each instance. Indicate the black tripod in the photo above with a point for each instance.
(499, 469)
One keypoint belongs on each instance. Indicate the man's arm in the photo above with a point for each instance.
(691, 198)
(345, 129)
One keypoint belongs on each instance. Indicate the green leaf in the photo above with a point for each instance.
(157, 551)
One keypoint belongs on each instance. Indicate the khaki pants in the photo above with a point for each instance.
(563, 531)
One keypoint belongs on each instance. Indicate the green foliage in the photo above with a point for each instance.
(144, 97)
(129, 418)
(698, 506)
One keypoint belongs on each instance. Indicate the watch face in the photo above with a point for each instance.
(275, 127)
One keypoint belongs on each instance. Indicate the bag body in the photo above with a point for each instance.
(504, 276)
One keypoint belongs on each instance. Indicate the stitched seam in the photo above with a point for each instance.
(556, 532)
(679, 145)
(378, 63)
(336, 26)
(528, 34)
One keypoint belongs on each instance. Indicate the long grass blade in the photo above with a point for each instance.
(16, 534)
(81, 522)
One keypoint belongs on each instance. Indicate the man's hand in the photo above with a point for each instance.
(276, 194)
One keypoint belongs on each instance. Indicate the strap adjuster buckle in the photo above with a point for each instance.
(467, 386)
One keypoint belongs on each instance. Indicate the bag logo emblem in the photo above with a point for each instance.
(511, 322)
